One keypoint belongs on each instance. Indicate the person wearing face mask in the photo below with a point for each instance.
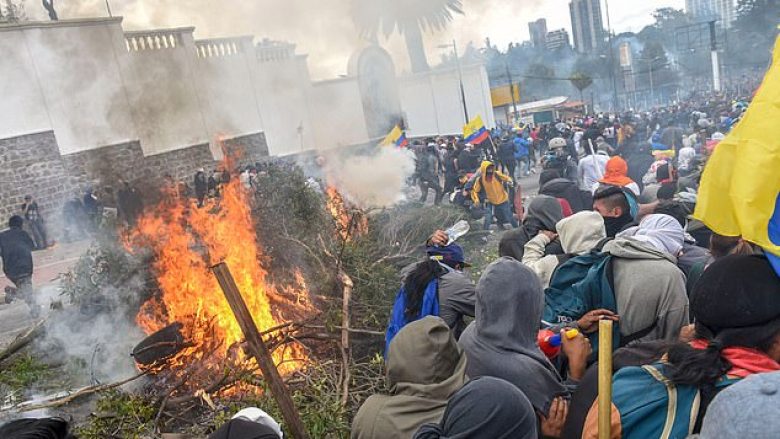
(497, 198)
(617, 207)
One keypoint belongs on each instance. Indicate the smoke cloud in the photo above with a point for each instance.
(373, 180)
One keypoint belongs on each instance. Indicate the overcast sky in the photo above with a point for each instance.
(323, 30)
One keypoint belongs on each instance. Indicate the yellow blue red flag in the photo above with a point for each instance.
(475, 132)
(740, 187)
(396, 137)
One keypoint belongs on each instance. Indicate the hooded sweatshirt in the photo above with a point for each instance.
(617, 175)
(649, 288)
(425, 367)
(579, 234)
(501, 342)
(543, 213)
(493, 187)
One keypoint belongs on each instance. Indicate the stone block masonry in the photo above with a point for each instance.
(32, 164)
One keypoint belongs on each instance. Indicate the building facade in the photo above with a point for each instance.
(557, 39)
(722, 11)
(538, 31)
(587, 25)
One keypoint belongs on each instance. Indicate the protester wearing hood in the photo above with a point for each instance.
(579, 234)
(617, 175)
(16, 249)
(497, 198)
(746, 409)
(685, 160)
(501, 342)
(615, 206)
(639, 162)
(456, 292)
(737, 335)
(486, 407)
(649, 288)
(552, 184)
(43, 428)
(543, 213)
(469, 159)
(249, 423)
(425, 367)
(691, 254)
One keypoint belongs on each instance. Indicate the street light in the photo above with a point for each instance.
(454, 47)
(611, 60)
(650, 63)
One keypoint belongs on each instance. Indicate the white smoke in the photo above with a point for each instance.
(374, 180)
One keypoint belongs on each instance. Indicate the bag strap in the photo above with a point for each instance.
(671, 408)
(624, 341)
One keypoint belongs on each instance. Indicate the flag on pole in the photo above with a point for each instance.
(475, 132)
(740, 187)
(396, 137)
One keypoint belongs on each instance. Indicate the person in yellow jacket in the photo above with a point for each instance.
(497, 204)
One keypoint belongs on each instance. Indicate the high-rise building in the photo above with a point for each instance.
(587, 25)
(538, 31)
(723, 11)
(557, 39)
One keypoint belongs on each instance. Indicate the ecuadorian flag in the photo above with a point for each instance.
(475, 132)
(740, 187)
(396, 137)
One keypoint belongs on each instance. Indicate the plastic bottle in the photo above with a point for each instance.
(550, 342)
(456, 231)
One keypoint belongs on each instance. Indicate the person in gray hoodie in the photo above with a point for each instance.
(542, 214)
(501, 342)
(649, 287)
(579, 234)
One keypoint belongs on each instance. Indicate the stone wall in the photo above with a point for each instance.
(249, 149)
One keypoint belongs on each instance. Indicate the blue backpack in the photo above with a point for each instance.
(430, 307)
(651, 406)
(579, 285)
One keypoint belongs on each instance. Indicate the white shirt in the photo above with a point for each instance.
(590, 170)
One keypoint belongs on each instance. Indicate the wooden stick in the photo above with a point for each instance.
(605, 379)
(346, 351)
(259, 350)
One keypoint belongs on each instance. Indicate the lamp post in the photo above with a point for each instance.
(650, 63)
(611, 60)
(454, 47)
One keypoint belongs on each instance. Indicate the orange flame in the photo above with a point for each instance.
(350, 222)
(186, 241)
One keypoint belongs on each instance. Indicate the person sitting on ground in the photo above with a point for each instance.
(616, 174)
(45, 428)
(425, 367)
(614, 205)
(649, 288)
(737, 335)
(746, 409)
(578, 234)
(249, 423)
(543, 213)
(502, 340)
(486, 407)
(496, 196)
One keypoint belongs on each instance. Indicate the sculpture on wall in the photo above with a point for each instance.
(375, 71)
(409, 17)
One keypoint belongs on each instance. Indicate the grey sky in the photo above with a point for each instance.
(323, 29)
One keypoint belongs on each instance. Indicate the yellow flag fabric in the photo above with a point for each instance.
(739, 189)
(396, 137)
(475, 131)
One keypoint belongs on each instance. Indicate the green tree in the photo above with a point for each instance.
(753, 32)
(409, 17)
(581, 81)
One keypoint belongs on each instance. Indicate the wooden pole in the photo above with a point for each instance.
(259, 350)
(605, 379)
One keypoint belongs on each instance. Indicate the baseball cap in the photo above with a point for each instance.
(451, 255)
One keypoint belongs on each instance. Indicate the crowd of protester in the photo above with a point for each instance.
(610, 236)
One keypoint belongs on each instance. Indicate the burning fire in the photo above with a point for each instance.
(350, 222)
(186, 241)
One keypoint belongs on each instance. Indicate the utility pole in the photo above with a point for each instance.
(511, 90)
(460, 79)
(611, 60)
(108, 8)
(715, 60)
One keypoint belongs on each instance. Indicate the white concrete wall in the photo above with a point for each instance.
(226, 86)
(78, 82)
(282, 88)
(22, 105)
(432, 101)
(337, 111)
